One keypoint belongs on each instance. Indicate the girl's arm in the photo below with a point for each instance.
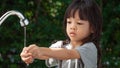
(57, 53)
(27, 57)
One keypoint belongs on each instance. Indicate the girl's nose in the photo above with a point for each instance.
(73, 27)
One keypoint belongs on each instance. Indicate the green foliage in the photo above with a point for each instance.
(46, 18)
(111, 34)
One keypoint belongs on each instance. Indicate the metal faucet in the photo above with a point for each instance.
(23, 20)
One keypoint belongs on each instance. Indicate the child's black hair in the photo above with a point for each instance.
(90, 11)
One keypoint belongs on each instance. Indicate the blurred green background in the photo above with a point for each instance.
(46, 17)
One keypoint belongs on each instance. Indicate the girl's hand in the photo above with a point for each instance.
(26, 56)
(37, 52)
(34, 50)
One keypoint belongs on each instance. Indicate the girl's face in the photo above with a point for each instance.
(77, 29)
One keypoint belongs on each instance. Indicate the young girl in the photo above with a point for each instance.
(82, 24)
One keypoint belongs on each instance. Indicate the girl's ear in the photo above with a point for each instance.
(91, 30)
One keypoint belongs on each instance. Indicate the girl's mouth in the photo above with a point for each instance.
(72, 34)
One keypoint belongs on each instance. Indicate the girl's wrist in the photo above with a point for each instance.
(39, 53)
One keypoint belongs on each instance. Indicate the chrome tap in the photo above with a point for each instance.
(23, 20)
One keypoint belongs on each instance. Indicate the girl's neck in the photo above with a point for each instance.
(75, 44)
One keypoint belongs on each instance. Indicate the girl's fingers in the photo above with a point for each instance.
(25, 54)
(25, 49)
(31, 48)
(27, 57)
(28, 60)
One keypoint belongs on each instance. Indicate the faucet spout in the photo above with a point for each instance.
(23, 20)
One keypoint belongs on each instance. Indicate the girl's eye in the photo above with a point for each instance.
(79, 23)
(69, 22)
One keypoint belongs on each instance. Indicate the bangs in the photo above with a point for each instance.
(70, 12)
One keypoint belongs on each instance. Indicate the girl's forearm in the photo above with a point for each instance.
(43, 57)
(58, 53)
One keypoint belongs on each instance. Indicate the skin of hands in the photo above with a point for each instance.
(26, 57)
(34, 52)
(30, 53)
